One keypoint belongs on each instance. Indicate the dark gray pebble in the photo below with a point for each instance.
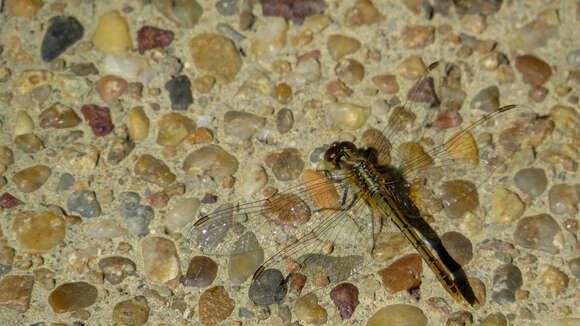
(84, 202)
(269, 288)
(179, 89)
(506, 279)
(62, 32)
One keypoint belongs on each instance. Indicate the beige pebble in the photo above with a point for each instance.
(38, 231)
(506, 205)
(411, 68)
(252, 181)
(398, 315)
(32, 178)
(73, 86)
(138, 124)
(271, 37)
(80, 156)
(309, 311)
(112, 33)
(161, 263)
(417, 36)
(363, 12)
(173, 129)
(24, 8)
(216, 55)
(554, 280)
(28, 80)
(153, 170)
(350, 71)
(181, 213)
(211, 160)
(340, 46)
(23, 124)
(28, 143)
(317, 23)
(348, 116)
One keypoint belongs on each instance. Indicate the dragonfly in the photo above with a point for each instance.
(358, 178)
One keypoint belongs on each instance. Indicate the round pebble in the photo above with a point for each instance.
(495, 319)
(112, 33)
(459, 197)
(111, 87)
(537, 232)
(531, 181)
(309, 311)
(181, 213)
(345, 297)
(348, 116)
(554, 280)
(215, 305)
(245, 258)
(340, 46)
(486, 99)
(138, 124)
(458, 246)
(563, 199)
(201, 272)
(72, 297)
(153, 170)
(286, 165)
(268, 288)
(284, 120)
(38, 231)
(534, 70)
(363, 12)
(507, 207)
(134, 312)
(216, 55)
(398, 315)
(210, 160)
(243, 125)
(173, 129)
(403, 274)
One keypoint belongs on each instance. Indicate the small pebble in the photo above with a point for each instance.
(350, 71)
(398, 315)
(336, 269)
(554, 280)
(23, 124)
(137, 216)
(179, 89)
(574, 265)
(534, 70)
(309, 311)
(531, 181)
(363, 12)
(486, 99)
(283, 93)
(460, 318)
(132, 312)
(99, 119)
(386, 83)
(270, 38)
(73, 86)
(210, 160)
(348, 116)
(388, 244)
(84, 202)
(117, 268)
(185, 13)
(65, 182)
(246, 256)
(337, 88)
(537, 232)
(160, 261)
(268, 288)
(84, 69)
(538, 93)
(340, 46)
(16, 292)
(506, 280)
(173, 129)
(573, 58)
(345, 297)
(293, 11)
(28, 80)
(459, 197)
(227, 7)
(138, 124)
(286, 165)
(112, 33)
(24, 8)
(153, 170)
(126, 66)
(181, 213)
(403, 274)
(228, 31)
(242, 125)
(73, 296)
(507, 207)
(201, 272)
(458, 246)
(417, 36)
(284, 120)
(28, 143)
(149, 37)
(62, 33)
(411, 68)
(215, 305)
(32, 178)
(495, 319)
(110, 87)
(563, 199)
(423, 92)
(54, 118)
(9, 201)
(216, 55)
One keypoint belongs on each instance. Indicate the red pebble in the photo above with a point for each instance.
(293, 10)
(99, 119)
(149, 37)
(158, 199)
(314, 54)
(9, 201)
(345, 297)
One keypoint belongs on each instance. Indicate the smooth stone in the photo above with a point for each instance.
(23, 124)
(38, 231)
(153, 170)
(507, 207)
(112, 33)
(268, 288)
(243, 125)
(111, 87)
(486, 99)
(245, 258)
(340, 46)
(181, 213)
(532, 181)
(574, 265)
(286, 165)
(216, 55)
(149, 37)
(458, 246)
(73, 86)
(348, 116)
(72, 297)
(495, 319)
(173, 129)
(180, 95)
(363, 12)
(459, 197)
(309, 311)
(538, 232)
(534, 70)
(138, 124)
(132, 312)
(105, 229)
(270, 38)
(16, 292)
(227, 7)
(32, 178)
(62, 33)
(126, 66)
(337, 269)
(554, 280)
(84, 202)
(563, 199)
(117, 268)
(98, 118)
(137, 216)
(252, 181)
(185, 13)
(59, 119)
(80, 156)
(210, 160)
(160, 260)
(506, 280)
(398, 315)
(215, 305)
(228, 31)
(201, 272)
(417, 36)
(403, 274)
(119, 149)
(345, 297)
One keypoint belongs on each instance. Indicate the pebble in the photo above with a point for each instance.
(554, 280)
(283, 93)
(458, 246)
(252, 181)
(531, 181)
(132, 312)
(227, 7)
(307, 72)
(112, 33)
(181, 213)
(284, 120)
(138, 124)
(214, 230)
(270, 38)
(287, 209)
(28, 80)
(126, 66)
(573, 58)
(337, 269)
(23, 124)
(185, 13)
(403, 274)
(388, 245)
(84, 202)
(216, 55)
(84, 69)
(28, 143)
(32, 178)
(215, 305)
(137, 216)
(242, 125)
(105, 229)
(459, 197)
(179, 89)
(210, 160)
(563, 199)
(286, 165)
(72, 86)
(6, 156)
(160, 261)
(423, 92)
(153, 170)
(24, 8)
(99, 119)
(9, 201)
(538, 232)
(228, 31)
(246, 256)
(52, 117)
(398, 315)
(80, 156)
(345, 297)
(363, 12)
(119, 149)
(574, 265)
(495, 319)
(173, 129)
(149, 37)
(201, 272)
(507, 207)
(411, 68)
(538, 93)
(322, 193)
(117, 268)
(309, 311)
(417, 36)
(486, 99)
(268, 288)
(295, 12)
(339, 46)
(72, 296)
(350, 71)
(337, 88)
(534, 70)
(460, 318)
(386, 83)
(16, 292)
(62, 33)
(111, 87)
(506, 280)
(348, 116)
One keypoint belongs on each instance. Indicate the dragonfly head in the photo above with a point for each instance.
(339, 152)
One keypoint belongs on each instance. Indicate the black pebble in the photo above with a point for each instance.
(61, 34)
(179, 89)
(269, 288)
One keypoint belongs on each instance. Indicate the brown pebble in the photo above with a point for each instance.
(72, 297)
(338, 89)
(403, 274)
(32, 178)
(116, 268)
(386, 83)
(363, 12)
(153, 170)
(417, 36)
(132, 312)
(534, 70)
(111, 87)
(201, 272)
(538, 93)
(215, 305)
(16, 292)
(283, 93)
(9, 201)
(160, 260)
